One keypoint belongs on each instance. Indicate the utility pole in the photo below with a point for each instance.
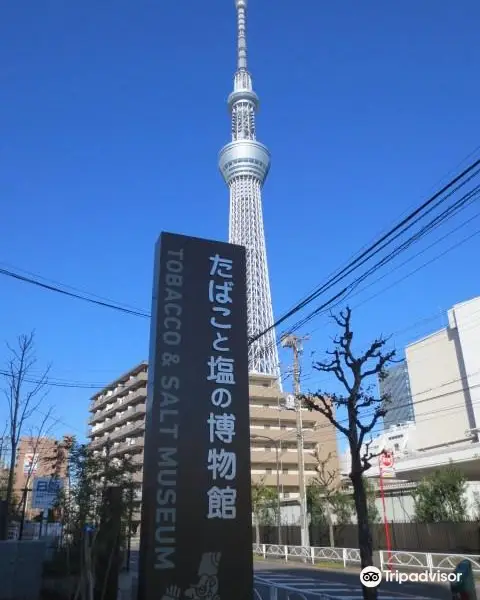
(294, 342)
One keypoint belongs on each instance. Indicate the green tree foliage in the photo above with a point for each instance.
(81, 501)
(343, 507)
(441, 497)
(316, 503)
(264, 506)
(373, 512)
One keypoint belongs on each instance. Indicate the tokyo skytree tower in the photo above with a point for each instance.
(244, 164)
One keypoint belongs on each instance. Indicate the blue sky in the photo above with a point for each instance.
(112, 116)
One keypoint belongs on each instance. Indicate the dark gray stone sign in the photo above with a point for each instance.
(196, 534)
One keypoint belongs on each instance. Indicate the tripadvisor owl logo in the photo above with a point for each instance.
(370, 577)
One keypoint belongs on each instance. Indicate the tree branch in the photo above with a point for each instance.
(323, 408)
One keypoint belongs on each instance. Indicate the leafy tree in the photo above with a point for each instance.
(264, 502)
(81, 502)
(441, 497)
(343, 507)
(373, 512)
(330, 494)
(316, 503)
(364, 410)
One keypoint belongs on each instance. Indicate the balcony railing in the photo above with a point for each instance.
(122, 388)
(132, 412)
(99, 415)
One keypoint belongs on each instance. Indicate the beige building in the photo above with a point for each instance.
(444, 373)
(118, 417)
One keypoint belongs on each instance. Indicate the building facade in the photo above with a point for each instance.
(36, 457)
(444, 373)
(118, 420)
(396, 386)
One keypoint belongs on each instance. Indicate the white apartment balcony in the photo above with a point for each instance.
(131, 447)
(120, 403)
(272, 414)
(309, 435)
(131, 412)
(284, 458)
(135, 428)
(138, 380)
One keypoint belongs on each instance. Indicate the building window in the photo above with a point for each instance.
(268, 471)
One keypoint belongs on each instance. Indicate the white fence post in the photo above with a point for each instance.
(429, 562)
(273, 593)
(344, 558)
(264, 550)
(286, 553)
(381, 559)
(312, 554)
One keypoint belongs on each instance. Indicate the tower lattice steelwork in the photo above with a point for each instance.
(244, 164)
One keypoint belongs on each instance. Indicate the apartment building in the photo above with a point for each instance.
(118, 418)
(36, 457)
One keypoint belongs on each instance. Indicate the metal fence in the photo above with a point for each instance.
(398, 559)
(266, 590)
(462, 537)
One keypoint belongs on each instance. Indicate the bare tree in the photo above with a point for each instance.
(364, 410)
(24, 394)
(35, 440)
(328, 481)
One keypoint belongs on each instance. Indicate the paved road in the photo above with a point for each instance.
(313, 581)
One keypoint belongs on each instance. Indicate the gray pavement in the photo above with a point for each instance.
(314, 581)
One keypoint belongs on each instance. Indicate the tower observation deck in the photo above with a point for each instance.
(244, 164)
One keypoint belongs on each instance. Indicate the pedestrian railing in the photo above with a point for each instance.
(396, 559)
(266, 590)
(425, 561)
(347, 556)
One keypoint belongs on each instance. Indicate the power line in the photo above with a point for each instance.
(58, 290)
(461, 203)
(327, 306)
(376, 247)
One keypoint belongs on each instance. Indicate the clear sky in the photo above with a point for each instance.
(112, 115)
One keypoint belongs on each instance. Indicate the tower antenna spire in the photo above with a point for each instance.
(241, 6)
(244, 164)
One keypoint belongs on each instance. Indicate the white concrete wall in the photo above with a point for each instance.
(466, 318)
(437, 388)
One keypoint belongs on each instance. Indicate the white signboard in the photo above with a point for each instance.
(30, 463)
(45, 492)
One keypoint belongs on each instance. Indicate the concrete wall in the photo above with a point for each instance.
(438, 390)
(465, 317)
(21, 569)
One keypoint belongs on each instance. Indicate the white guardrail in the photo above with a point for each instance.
(398, 560)
(272, 592)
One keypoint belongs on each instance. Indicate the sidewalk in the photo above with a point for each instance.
(127, 586)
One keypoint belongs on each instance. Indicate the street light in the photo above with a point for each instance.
(276, 443)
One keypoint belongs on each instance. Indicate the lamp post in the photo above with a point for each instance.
(276, 443)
